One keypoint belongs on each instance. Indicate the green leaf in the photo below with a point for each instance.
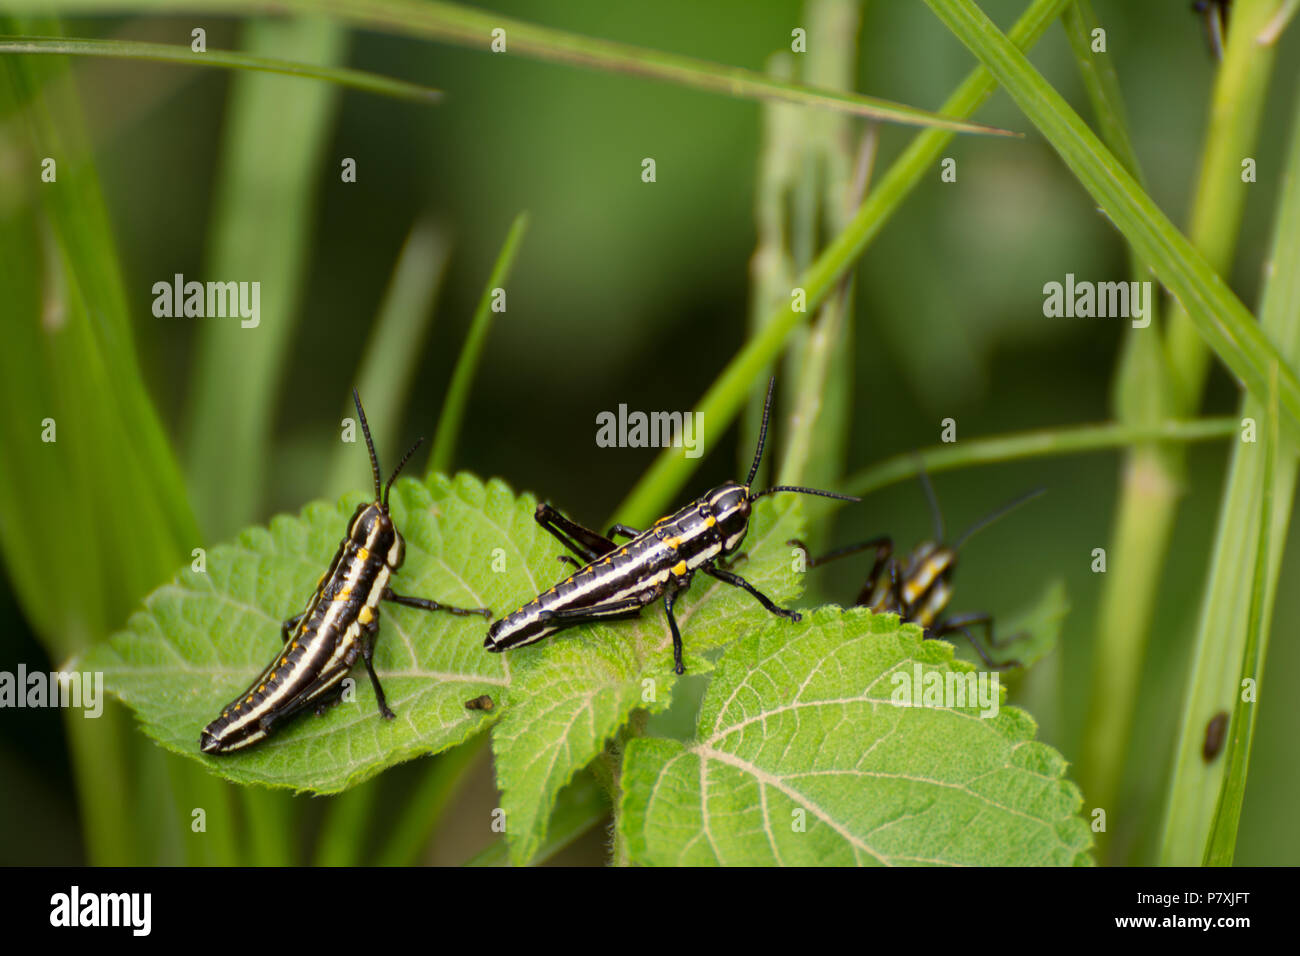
(200, 639)
(800, 717)
(1040, 624)
(571, 694)
(580, 806)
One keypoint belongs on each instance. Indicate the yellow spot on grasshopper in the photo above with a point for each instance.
(366, 615)
(679, 568)
(363, 554)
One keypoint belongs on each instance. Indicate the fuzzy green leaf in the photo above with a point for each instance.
(801, 718)
(201, 638)
(1033, 631)
(569, 695)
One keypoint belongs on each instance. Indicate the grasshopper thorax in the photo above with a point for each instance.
(729, 505)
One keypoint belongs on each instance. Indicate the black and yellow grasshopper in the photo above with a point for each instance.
(920, 589)
(339, 624)
(618, 581)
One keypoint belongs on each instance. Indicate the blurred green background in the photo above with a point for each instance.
(626, 292)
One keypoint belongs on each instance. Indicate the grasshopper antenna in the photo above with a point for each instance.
(936, 515)
(409, 452)
(995, 515)
(762, 432)
(758, 457)
(365, 430)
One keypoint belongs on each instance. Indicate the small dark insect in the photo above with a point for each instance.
(920, 589)
(1216, 732)
(340, 622)
(617, 582)
(483, 702)
(1215, 14)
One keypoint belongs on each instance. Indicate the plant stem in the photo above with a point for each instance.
(1222, 842)
(1152, 384)
(818, 411)
(1222, 634)
(1236, 106)
(468, 26)
(1041, 443)
(723, 400)
(1225, 324)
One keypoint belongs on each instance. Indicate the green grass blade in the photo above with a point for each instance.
(110, 477)
(274, 142)
(225, 59)
(1221, 633)
(1225, 324)
(1101, 83)
(426, 805)
(343, 831)
(269, 822)
(1223, 834)
(1043, 443)
(453, 407)
(467, 26)
(721, 403)
(389, 362)
(70, 356)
